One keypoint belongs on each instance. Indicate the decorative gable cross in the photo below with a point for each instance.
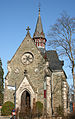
(28, 29)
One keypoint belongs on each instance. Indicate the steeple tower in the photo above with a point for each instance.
(39, 36)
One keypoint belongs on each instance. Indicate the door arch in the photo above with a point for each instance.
(25, 100)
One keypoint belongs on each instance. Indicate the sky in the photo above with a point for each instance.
(17, 15)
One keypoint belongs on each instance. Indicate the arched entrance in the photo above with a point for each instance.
(25, 100)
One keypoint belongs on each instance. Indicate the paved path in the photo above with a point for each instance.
(4, 117)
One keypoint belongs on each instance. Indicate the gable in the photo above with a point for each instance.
(16, 66)
(25, 85)
(27, 45)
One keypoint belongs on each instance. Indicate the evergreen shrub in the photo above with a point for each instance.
(7, 108)
(39, 108)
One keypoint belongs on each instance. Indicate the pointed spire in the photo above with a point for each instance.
(39, 9)
(39, 28)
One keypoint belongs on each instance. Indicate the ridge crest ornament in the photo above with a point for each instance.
(28, 30)
(27, 58)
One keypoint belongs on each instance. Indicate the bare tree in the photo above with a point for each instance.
(62, 35)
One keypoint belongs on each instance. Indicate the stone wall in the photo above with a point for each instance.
(35, 71)
(56, 89)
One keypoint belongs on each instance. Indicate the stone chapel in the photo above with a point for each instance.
(38, 74)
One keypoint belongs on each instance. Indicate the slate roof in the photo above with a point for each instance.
(55, 63)
(52, 57)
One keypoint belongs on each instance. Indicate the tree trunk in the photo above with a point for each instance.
(73, 73)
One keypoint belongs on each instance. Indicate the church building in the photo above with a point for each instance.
(38, 74)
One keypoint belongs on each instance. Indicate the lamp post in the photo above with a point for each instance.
(51, 98)
(45, 100)
(15, 95)
(15, 100)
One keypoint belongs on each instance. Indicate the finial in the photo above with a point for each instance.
(39, 8)
(28, 29)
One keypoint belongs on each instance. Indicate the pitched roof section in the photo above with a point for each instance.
(55, 63)
(52, 57)
(39, 28)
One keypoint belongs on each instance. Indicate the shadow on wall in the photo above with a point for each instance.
(72, 115)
